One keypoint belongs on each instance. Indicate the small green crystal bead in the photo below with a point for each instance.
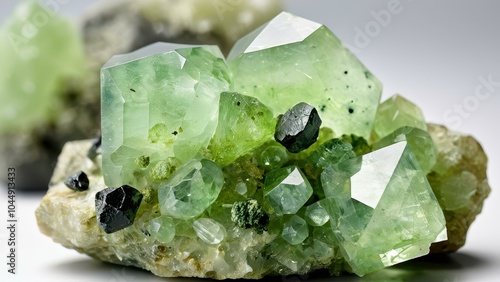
(295, 230)
(316, 215)
(191, 189)
(162, 229)
(209, 230)
(273, 157)
(286, 190)
(394, 113)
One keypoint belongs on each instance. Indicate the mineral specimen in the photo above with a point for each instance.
(222, 199)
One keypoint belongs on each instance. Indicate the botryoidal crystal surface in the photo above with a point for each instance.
(277, 160)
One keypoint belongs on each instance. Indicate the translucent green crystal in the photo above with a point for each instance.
(420, 142)
(292, 60)
(316, 215)
(191, 189)
(394, 113)
(40, 53)
(135, 119)
(286, 190)
(273, 157)
(244, 124)
(388, 215)
(209, 230)
(162, 229)
(295, 230)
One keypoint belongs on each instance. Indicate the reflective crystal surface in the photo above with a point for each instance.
(286, 190)
(394, 113)
(305, 62)
(191, 189)
(135, 121)
(387, 213)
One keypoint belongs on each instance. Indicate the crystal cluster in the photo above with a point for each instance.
(276, 160)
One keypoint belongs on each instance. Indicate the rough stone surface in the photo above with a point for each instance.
(459, 181)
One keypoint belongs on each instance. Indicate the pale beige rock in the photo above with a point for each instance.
(460, 183)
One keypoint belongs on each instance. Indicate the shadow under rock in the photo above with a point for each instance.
(443, 267)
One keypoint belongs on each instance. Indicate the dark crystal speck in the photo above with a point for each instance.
(78, 182)
(116, 208)
(298, 128)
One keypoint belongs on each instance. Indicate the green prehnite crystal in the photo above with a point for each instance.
(394, 113)
(40, 52)
(244, 124)
(295, 230)
(209, 230)
(292, 60)
(389, 213)
(191, 189)
(420, 142)
(316, 215)
(160, 101)
(162, 229)
(286, 190)
(273, 157)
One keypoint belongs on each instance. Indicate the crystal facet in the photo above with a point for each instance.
(191, 189)
(209, 230)
(116, 208)
(286, 190)
(394, 113)
(303, 61)
(295, 230)
(244, 124)
(388, 214)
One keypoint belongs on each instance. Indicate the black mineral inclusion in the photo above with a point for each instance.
(116, 208)
(298, 128)
(78, 182)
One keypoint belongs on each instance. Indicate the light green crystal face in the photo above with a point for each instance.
(40, 52)
(191, 189)
(244, 124)
(161, 101)
(286, 190)
(295, 230)
(420, 142)
(292, 60)
(388, 215)
(394, 113)
(316, 215)
(162, 229)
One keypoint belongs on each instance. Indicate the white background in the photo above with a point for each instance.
(435, 54)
